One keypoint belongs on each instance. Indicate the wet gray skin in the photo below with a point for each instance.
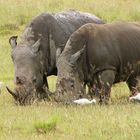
(34, 56)
(101, 55)
(70, 85)
(28, 79)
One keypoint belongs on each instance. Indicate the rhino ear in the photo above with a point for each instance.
(13, 41)
(36, 46)
(76, 56)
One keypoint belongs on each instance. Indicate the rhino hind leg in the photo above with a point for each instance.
(134, 85)
(105, 80)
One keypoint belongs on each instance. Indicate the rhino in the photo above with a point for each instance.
(34, 57)
(99, 56)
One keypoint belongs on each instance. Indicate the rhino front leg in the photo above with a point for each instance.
(105, 80)
(138, 83)
(93, 88)
(134, 85)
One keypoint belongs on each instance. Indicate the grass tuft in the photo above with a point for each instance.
(42, 127)
(118, 121)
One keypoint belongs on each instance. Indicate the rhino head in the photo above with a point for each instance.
(28, 72)
(70, 81)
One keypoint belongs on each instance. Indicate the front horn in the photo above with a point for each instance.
(11, 92)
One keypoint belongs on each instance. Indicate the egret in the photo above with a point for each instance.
(84, 101)
(135, 98)
(1, 84)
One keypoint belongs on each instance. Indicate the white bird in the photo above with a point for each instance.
(1, 84)
(84, 101)
(136, 98)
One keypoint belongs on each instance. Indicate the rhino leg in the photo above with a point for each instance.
(105, 80)
(134, 85)
(138, 83)
(93, 88)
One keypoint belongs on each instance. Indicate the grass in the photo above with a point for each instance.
(118, 121)
(43, 127)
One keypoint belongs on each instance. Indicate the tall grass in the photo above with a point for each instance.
(119, 121)
(18, 13)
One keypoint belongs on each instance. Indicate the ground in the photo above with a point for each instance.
(118, 121)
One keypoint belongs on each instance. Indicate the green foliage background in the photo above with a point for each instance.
(118, 121)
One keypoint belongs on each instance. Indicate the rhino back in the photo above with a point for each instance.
(54, 30)
(115, 46)
(118, 41)
(71, 20)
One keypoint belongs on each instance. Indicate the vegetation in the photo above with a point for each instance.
(44, 127)
(118, 121)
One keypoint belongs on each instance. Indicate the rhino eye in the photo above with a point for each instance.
(71, 83)
(34, 80)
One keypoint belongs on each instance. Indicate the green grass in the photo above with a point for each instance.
(118, 121)
(43, 127)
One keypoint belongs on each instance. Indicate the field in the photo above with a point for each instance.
(49, 121)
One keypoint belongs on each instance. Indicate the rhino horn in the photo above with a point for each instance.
(11, 92)
(13, 41)
(77, 55)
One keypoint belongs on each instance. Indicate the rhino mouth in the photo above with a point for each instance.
(24, 97)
